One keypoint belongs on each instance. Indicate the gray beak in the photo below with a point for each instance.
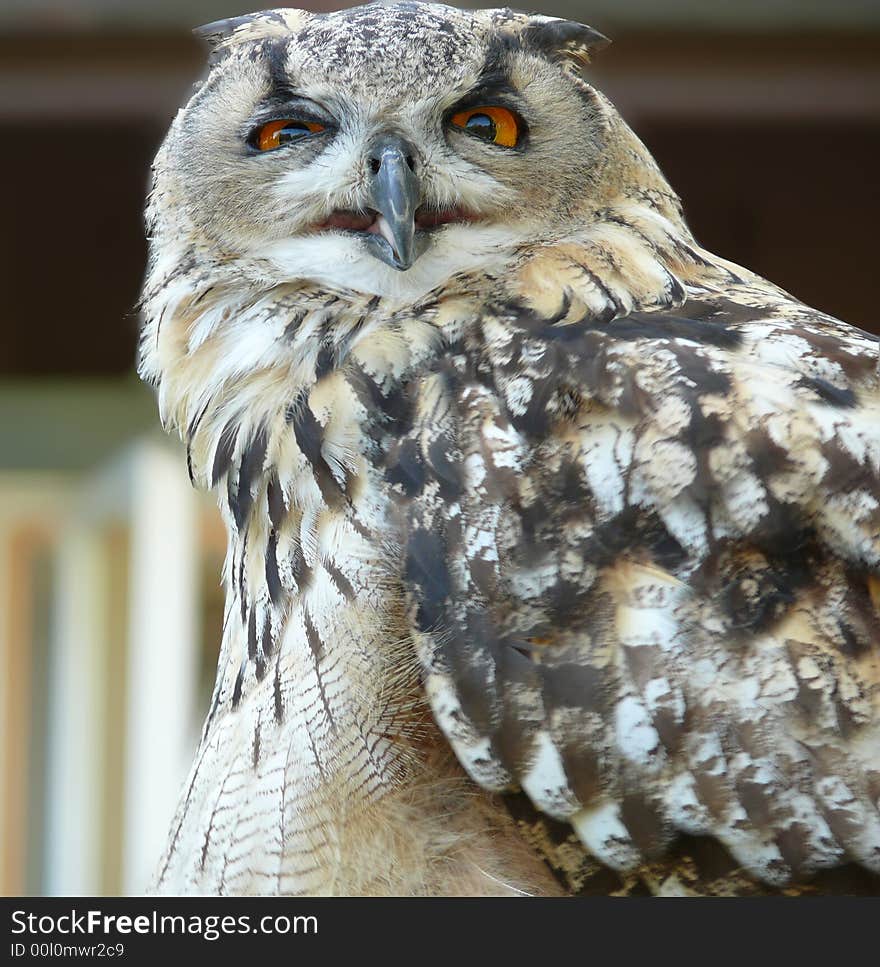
(395, 194)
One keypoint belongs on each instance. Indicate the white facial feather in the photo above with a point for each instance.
(341, 262)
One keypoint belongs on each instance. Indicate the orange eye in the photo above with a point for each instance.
(496, 124)
(276, 134)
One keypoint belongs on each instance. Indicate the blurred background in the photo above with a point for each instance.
(765, 115)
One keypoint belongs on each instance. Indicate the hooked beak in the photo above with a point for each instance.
(395, 194)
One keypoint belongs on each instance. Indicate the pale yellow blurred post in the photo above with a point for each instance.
(162, 657)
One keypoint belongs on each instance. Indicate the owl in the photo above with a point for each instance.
(553, 538)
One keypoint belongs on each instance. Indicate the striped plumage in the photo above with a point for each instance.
(597, 511)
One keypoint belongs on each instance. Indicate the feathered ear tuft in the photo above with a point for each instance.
(563, 39)
(221, 35)
(218, 32)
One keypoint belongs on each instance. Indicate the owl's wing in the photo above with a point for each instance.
(643, 561)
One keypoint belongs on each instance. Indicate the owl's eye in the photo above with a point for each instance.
(491, 123)
(276, 134)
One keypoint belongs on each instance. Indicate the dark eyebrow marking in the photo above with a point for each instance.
(497, 55)
(294, 105)
(493, 76)
(494, 90)
(275, 53)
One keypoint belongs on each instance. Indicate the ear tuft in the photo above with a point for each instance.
(218, 31)
(563, 39)
(221, 35)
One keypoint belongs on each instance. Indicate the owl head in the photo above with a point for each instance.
(385, 148)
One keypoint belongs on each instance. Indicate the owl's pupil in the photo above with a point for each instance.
(482, 126)
(292, 131)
